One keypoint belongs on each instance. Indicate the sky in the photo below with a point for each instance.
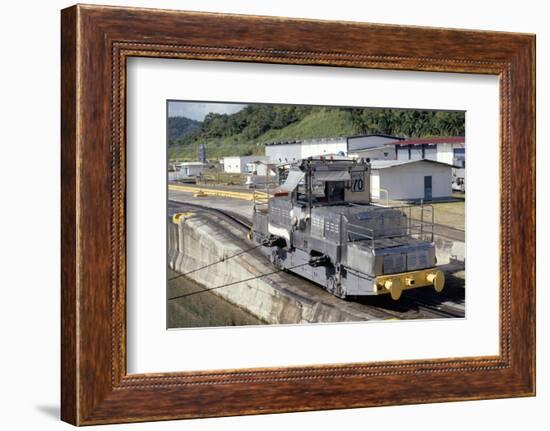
(198, 110)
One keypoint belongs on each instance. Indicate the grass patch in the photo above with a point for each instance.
(448, 213)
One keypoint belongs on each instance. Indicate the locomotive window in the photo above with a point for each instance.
(328, 191)
(318, 190)
(335, 191)
(301, 194)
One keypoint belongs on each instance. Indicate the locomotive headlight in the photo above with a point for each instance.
(293, 218)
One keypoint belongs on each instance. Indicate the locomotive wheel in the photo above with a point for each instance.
(331, 285)
(340, 292)
(336, 288)
(275, 260)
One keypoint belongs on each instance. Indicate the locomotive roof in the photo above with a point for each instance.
(383, 164)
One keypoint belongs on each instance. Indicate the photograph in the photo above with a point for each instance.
(281, 214)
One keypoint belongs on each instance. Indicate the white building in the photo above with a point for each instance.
(292, 151)
(261, 167)
(320, 147)
(450, 150)
(376, 153)
(193, 169)
(410, 180)
(241, 164)
(284, 152)
(186, 170)
(364, 142)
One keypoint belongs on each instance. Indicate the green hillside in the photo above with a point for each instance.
(321, 124)
(246, 132)
(179, 127)
(318, 124)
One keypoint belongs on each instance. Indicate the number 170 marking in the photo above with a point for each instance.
(357, 185)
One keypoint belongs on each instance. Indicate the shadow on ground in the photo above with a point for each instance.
(52, 411)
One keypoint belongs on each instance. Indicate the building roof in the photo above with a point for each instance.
(250, 158)
(378, 135)
(193, 164)
(333, 139)
(364, 150)
(430, 141)
(383, 164)
(263, 161)
(337, 139)
(283, 142)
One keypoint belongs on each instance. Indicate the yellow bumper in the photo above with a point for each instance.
(177, 217)
(394, 284)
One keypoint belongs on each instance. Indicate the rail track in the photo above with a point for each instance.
(442, 310)
(240, 220)
(412, 305)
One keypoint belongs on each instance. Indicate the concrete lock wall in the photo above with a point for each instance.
(194, 243)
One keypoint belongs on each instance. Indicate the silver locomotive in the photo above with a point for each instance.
(322, 225)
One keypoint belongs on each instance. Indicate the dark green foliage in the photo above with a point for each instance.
(250, 122)
(245, 132)
(180, 127)
(409, 123)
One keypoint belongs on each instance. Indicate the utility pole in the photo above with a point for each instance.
(202, 153)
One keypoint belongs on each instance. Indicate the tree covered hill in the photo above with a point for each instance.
(247, 131)
(180, 127)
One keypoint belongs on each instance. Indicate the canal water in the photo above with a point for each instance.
(204, 309)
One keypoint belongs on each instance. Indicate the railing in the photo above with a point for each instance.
(358, 233)
(387, 195)
(419, 224)
(261, 200)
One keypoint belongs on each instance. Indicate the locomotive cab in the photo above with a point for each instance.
(322, 225)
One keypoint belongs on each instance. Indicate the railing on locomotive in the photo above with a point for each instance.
(413, 228)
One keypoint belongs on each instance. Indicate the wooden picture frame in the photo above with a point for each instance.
(95, 43)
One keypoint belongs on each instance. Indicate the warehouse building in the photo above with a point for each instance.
(292, 151)
(364, 142)
(261, 167)
(241, 164)
(376, 153)
(186, 170)
(450, 150)
(410, 180)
